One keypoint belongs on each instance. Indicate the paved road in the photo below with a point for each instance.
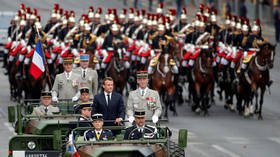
(222, 134)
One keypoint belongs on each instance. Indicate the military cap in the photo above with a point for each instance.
(68, 60)
(97, 116)
(84, 57)
(82, 105)
(84, 90)
(142, 74)
(46, 94)
(139, 113)
(85, 105)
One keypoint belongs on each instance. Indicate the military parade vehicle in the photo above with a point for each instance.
(60, 135)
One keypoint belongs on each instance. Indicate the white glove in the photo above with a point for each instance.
(155, 119)
(74, 99)
(54, 99)
(131, 119)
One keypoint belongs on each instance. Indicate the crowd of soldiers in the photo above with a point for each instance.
(136, 34)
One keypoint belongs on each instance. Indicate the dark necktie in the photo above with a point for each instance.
(46, 110)
(142, 92)
(108, 99)
(84, 73)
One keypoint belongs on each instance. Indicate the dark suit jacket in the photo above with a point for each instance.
(114, 110)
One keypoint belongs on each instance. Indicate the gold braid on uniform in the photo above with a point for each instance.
(244, 40)
(77, 36)
(152, 36)
(44, 36)
(255, 43)
(213, 31)
(91, 40)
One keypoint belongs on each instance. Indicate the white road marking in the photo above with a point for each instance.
(275, 139)
(10, 128)
(2, 113)
(224, 150)
(237, 140)
(201, 152)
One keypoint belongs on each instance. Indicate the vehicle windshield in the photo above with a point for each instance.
(65, 107)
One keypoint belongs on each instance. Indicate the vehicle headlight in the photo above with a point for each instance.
(31, 145)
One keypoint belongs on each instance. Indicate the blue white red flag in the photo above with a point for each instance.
(37, 66)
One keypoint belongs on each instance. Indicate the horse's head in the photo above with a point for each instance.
(206, 57)
(118, 59)
(267, 52)
(164, 63)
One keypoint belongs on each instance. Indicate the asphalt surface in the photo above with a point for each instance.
(221, 134)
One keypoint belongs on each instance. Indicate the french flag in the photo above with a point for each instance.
(37, 66)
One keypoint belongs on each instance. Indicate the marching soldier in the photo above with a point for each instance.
(66, 84)
(144, 98)
(139, 129)
(88, 76)
(46, 108)
(98, 133)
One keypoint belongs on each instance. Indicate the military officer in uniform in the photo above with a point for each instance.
(66, 84)
(140, 129)
(87, 76)
(84, 120)
(45, 109)
(144, 98)
(84, 98)
(98, 133)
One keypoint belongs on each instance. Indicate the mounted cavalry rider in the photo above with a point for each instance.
(251, 47)
(54, 24)
(161, 42)
(113, 43)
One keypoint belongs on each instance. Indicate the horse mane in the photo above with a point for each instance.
(264, 43)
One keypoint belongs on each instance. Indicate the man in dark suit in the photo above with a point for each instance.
(140, 129)
(109, 103)
(98, 133)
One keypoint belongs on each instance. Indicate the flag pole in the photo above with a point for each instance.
(44, 58)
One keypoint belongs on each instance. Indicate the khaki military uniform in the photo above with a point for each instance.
(64, 88)
(150, 102)
(45, 111)
(90, 80)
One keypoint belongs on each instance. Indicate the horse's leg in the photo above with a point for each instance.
(256, 103)
(260, 117)
(197, 98)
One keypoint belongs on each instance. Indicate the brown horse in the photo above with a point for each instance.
(257, 77)
(117, 70)
(203, 81)
(162, 78)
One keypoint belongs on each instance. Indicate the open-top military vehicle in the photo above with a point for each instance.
(48, 136)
